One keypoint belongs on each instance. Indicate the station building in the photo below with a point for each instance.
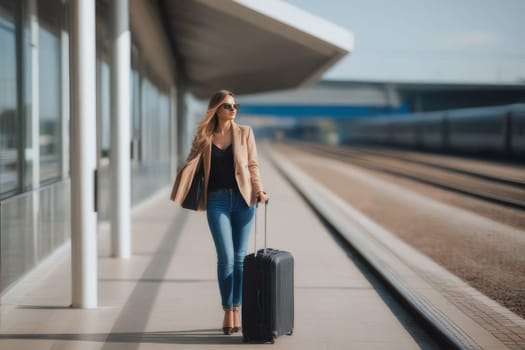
(98, 101)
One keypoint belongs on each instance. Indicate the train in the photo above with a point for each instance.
(498, 131)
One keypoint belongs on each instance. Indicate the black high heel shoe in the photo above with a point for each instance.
(227, 330)
(236, 309)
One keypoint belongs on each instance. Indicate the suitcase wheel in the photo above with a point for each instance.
(290, 332)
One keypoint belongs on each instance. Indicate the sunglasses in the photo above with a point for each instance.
(229, 106)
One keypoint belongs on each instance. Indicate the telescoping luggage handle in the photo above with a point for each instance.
(265, 225)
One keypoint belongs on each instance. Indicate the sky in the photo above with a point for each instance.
(457, 41)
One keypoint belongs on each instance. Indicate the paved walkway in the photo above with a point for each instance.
(166, 294)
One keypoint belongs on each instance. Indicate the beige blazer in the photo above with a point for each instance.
(245, 164)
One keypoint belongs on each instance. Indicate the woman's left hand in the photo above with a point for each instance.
(262, 197)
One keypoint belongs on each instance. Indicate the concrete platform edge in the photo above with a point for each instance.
(455, 327)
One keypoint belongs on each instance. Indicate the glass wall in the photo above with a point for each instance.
(150, 136)
(34, 97)
(9, 124)
(50, 88)
(164, 129)
(150, 129)
(135, 116)
(149, 144)
(26, 72)
(104, 87)
(155, 123)
(155, 132)
(17, 67)
(34, 129)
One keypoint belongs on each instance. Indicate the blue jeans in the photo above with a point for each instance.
(230, 221)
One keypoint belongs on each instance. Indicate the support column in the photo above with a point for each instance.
(65, 108)
(32, 10)
(182, 126)
(83, 159)
(65, 94)
(120, 131)
(174, 159)
(35, 95)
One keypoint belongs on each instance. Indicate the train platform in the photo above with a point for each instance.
(166, 295)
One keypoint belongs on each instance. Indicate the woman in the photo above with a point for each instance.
(232, 185)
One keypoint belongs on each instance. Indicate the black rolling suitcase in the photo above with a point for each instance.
(268, 289)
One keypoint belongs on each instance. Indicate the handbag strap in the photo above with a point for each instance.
(265, 226)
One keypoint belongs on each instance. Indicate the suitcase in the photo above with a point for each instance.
(268, 293)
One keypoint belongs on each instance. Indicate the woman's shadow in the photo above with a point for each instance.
(196, 336)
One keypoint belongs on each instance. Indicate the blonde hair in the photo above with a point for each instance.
(208, 124)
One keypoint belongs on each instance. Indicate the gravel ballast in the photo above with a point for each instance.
(480, 242)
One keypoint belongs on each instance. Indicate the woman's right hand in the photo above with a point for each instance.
(262, 197)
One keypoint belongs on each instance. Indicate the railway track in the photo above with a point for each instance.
(481, 253)
(456, 166)
(509, 192)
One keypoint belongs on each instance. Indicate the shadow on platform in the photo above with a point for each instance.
(196, 336)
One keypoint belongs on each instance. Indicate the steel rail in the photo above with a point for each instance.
(374, 165)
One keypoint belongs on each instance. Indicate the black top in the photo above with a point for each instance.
(222, 172)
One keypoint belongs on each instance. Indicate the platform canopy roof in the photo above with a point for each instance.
(250, 46)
